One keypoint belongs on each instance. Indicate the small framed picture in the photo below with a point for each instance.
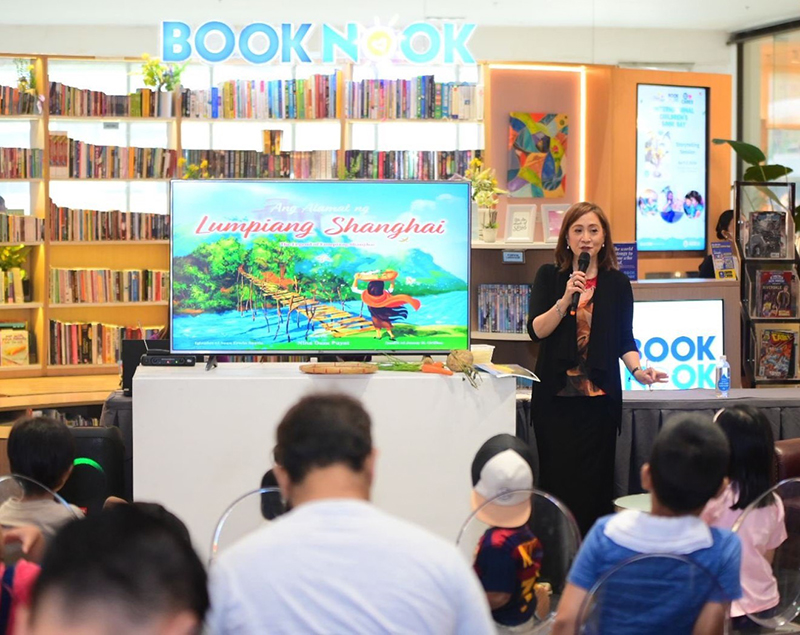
(519, 223)
(552, 216)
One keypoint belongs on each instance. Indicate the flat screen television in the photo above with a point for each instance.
(671, 167)
(319, 267)
(683, 338)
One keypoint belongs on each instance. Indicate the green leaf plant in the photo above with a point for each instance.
(759, 171)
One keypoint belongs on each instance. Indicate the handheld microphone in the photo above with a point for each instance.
(583, 265)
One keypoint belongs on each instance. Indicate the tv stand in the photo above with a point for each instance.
(212, 362)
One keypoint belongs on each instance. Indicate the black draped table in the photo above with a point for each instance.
(644, 412)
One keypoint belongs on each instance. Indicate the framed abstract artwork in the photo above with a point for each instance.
(537, 148)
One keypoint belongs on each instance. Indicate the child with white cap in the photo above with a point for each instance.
(509, 556)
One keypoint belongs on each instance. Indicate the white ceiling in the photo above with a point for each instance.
(726, 15)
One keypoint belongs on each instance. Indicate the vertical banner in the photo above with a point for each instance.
(671, 168)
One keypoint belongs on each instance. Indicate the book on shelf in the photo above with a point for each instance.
(85, 160)
(272, 141)
(237, 164)
(767, 235)
(77, 286)
(12, 291)
(82, 343)
(417, 98)
(16, 227)
(503, 308)
(13, 101)
(774, 297)
(58, 143)
(14, 347)
(86, 225)
(78, 102)
(426, 165)
(507, 370)
(303, 98)
(21, 163)
(776, 356)
(23, 326)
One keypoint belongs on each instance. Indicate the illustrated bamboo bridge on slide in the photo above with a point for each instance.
(338, 322)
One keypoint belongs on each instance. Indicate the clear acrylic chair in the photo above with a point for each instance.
(246, 514)
(629, 597)
(781, 503)
(14, 489)
(557, 532)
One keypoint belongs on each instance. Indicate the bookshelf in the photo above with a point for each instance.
(100, 108)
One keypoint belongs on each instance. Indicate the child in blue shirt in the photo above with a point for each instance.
(687, 468)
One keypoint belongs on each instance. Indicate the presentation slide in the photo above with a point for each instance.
(671, 168)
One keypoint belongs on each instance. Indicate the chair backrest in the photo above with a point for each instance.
(98, 471)
(634, 597)
(246, 514)
(553, 526)
(776, 514)
(787, 459)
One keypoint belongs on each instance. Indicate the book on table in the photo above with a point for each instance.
(507, 370)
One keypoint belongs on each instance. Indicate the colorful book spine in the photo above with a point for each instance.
(78, 159)
(72, 225)
(101, 286)
(230, 164)
(503, 308)
(13, 101)
(78, 102)
(21, 163)
(79, 343)
(426, 165)
(15, 228)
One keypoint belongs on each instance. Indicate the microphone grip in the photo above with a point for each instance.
(573, 306)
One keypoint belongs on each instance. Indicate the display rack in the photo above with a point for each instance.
(769, 291)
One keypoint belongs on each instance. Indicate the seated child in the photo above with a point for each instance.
(42, 449)
(687, 468)
(752, 452)
(508, 557)
(129, 569)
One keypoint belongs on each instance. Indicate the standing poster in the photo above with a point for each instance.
(671, 167)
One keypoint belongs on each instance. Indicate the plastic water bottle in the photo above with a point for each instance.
(723, 380)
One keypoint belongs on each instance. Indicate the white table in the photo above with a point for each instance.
(202, 438)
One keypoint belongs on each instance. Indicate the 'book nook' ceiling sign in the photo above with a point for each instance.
(259, 43)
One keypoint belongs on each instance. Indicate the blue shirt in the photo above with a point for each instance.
(655, 595)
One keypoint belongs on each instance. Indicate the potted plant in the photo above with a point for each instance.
(164, 78)
(485, 195)
(12, 259)
(26, 84)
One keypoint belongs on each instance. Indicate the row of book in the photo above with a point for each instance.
(13, 101)
(88, 225)
(78, 102)
(70, 158)
(235, 164)
(91, 343)
(776, 350)
(312, 98)
(78, 286)
(418, 98)
(11, 288)
(775, 294)
(427, 165)
(15, 227)
(21, 163)
(503, 308)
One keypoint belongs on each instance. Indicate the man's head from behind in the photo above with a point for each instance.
(324, 449)
(688, 464)
(43, 449)
(124, 571)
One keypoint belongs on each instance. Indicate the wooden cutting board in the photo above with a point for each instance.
(339, 368)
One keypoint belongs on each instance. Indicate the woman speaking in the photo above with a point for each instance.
(577, 407)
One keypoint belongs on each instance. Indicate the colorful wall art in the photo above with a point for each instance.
(537, 148)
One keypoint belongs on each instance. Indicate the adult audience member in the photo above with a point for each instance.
(336, 563)
(687, 468)
(129, 570)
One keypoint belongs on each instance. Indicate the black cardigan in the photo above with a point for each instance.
(611, 335)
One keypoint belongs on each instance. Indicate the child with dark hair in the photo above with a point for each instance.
(130, 568)
(687, 468)
(42, 449)
(750, 472)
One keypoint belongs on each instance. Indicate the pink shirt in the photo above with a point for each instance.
(763, 530)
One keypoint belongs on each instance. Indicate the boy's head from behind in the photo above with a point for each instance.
(129, 569)
(43, 449)
(688, 463)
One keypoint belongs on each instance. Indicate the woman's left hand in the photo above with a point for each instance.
(648, 376)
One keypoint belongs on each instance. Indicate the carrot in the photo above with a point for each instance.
(436, 369)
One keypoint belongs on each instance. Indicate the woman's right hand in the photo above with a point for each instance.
(575, 284)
